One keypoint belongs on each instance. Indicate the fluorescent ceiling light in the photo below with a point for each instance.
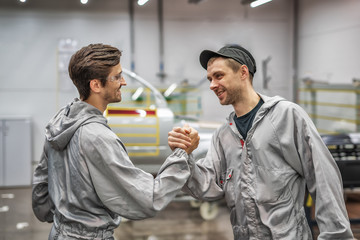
(84, 1)
(22, 225)
(142, 2)
(258, 3)
(4, 209)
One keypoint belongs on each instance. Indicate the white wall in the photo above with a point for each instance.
(329, 37)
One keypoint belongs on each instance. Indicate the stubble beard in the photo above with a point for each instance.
(110, 98)
(230, 97)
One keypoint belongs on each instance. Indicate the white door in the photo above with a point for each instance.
(2, 169)
(17, 151)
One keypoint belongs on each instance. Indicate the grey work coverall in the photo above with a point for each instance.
(85, 180)
(264, 179)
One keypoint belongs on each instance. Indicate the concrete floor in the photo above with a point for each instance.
(179, 221)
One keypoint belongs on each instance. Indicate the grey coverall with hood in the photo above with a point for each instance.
(264, 179)
(85, 180)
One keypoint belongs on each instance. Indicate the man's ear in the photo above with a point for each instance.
(244, 71)
(95, 85)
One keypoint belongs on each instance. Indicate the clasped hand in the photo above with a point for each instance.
(185, 137)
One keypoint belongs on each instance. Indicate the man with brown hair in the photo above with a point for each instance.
(85, 180)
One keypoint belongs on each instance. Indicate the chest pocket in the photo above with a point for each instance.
(227, 184)
(270, 185)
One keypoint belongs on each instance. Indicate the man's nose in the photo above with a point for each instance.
(213, 85)
(123, 82)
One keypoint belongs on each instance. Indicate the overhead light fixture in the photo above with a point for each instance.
(142, 2)
(22, 1)
(195, 1)
(84, 1)
(258, 3)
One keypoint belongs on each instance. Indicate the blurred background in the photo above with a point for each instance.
(306, 51)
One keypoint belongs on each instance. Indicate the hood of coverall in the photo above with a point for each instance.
(64, 124)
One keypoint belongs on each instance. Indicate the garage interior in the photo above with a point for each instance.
(306, 51)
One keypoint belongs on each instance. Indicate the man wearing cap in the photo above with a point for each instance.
(263, 159)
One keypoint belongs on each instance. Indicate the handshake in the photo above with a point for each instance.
(185, 137)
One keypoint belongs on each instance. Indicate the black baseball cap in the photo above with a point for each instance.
(235, 52)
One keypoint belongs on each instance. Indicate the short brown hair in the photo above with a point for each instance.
(231, 63)
(92, 62)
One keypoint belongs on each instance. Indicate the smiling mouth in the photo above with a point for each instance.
(219, 93)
